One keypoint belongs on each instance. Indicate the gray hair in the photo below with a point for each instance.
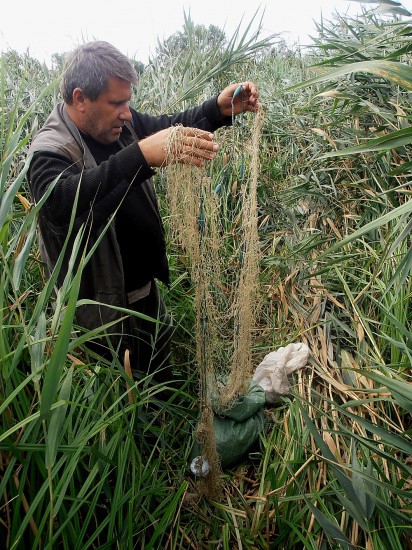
(90, 66)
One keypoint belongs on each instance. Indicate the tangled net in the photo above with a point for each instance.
(222, 248)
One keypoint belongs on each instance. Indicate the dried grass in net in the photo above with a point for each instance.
(226, 285)
(246, 299)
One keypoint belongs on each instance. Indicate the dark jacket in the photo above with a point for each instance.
(120, 182)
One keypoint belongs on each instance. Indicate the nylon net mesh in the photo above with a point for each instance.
(218, 233)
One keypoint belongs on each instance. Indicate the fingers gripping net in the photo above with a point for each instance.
(223, 260)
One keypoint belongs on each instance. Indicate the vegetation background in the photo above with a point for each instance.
(86, 464)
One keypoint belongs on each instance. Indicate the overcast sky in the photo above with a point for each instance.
(44, 27)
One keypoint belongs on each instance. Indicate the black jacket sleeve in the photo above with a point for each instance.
(101, 188)
(205, 117)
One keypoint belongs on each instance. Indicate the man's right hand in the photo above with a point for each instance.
(179, 144)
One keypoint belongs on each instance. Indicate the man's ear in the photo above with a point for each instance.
(79, 100)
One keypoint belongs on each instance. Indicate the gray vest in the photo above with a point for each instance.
(102, 278)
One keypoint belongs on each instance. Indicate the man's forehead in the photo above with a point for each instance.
(117, 86)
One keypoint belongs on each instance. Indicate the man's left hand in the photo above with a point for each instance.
(247, 99)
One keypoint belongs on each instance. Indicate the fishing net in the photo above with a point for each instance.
(217, 229)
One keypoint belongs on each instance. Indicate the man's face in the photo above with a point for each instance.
(104, 118)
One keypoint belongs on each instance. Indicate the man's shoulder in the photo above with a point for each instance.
(57, 136)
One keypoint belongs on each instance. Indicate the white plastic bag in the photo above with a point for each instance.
(272, 373)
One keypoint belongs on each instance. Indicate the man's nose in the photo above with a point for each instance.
(126, 114)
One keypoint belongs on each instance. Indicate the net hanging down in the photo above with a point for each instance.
(218, 233)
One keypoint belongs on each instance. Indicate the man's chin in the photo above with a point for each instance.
(107, 140)
(113, 137)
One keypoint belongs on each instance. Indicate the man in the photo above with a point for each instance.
(99, 155)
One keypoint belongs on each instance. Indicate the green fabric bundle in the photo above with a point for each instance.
(238, 428)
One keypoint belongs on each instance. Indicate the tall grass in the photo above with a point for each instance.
(341, 281)
(85, 463)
